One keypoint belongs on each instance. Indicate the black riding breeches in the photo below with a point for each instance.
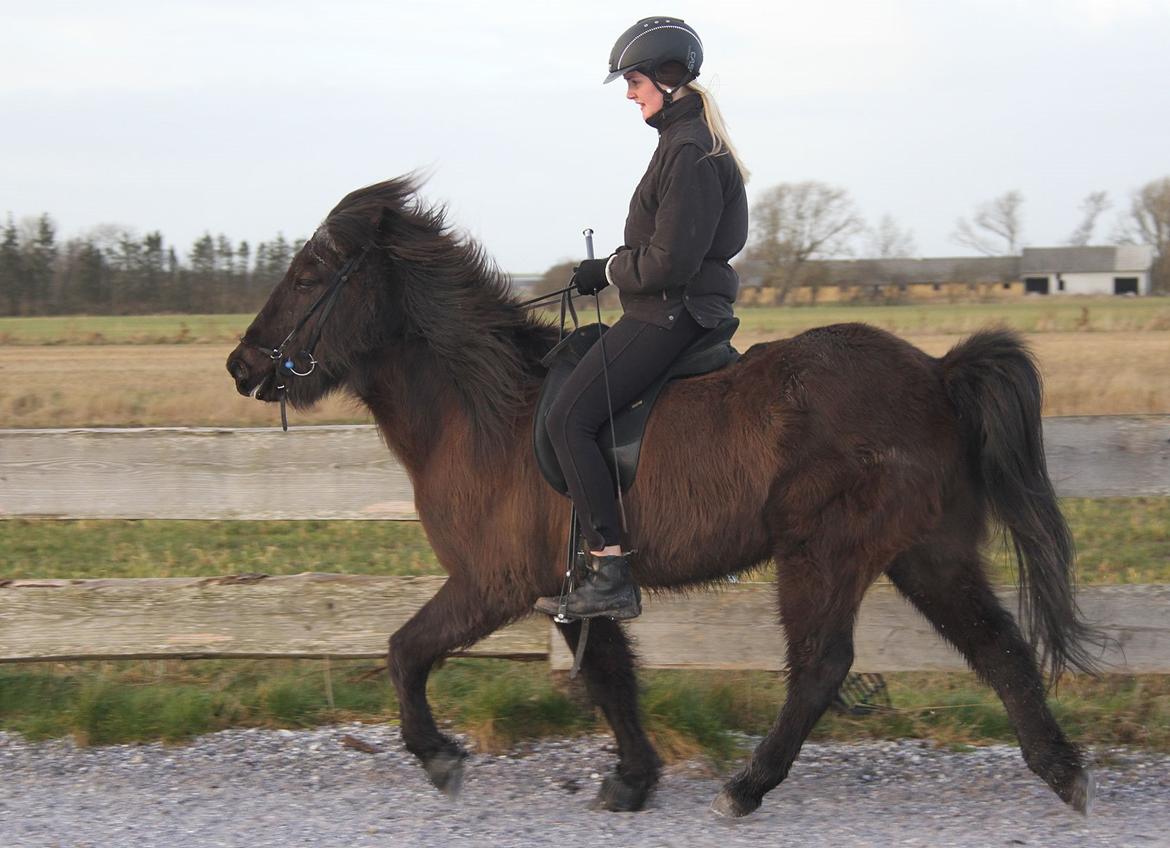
(637, 353)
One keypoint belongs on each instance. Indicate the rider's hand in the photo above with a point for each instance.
(589, 276)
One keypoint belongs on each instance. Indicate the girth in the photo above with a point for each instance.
(710, 352)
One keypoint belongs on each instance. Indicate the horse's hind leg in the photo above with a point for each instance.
(453, 618)
(948, 586)
(608, 666)
(818, 608)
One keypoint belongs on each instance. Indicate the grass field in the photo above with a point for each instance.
(1031, 315)
(1119, 540)
(1114, 364)
(499, 702)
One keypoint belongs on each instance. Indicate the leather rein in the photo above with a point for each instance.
(283, 363)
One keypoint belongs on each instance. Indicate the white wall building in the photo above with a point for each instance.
(1120, 269)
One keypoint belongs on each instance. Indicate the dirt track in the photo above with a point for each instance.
(280, 788)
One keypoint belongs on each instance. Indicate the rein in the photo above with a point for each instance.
(282, 366)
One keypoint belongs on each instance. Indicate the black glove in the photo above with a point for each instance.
(589, 276)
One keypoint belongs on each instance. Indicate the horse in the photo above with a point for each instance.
(842, 454)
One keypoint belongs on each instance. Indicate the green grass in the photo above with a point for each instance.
(1032, 315)
(83, 549)
(122, 329)
(1028, 316)
(1119, 540)
(499, 703)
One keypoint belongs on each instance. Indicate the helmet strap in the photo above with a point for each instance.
(667, 93)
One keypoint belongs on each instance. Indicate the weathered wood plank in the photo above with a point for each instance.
(736, 627)
(329, 472)
(312, 615)
(1109, 456)
(345, 472)
(352, 616)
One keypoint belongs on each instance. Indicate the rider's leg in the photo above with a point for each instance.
(636, 353)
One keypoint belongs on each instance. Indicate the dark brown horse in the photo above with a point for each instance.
(843, 454)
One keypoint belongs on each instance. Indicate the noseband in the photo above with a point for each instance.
(284, 364)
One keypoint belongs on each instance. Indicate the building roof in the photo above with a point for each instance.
(1086, 260)
(1131, 258)
(855, 272)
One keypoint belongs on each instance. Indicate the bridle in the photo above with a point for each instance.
(282, 366)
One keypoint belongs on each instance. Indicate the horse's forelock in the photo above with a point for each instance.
(355, 222)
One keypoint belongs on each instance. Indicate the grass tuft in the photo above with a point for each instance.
(500, 703)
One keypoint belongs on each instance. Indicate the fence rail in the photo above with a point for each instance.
(209, 473)
(319, 615)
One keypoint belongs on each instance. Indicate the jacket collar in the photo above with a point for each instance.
(680, 110)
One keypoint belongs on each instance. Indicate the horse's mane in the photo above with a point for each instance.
(454, 298)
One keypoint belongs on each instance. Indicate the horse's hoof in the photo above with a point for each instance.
(729, 806)
(617, 796)
(445, 770)
(1084, 792)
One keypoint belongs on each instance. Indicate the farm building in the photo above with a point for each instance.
(1119, 269)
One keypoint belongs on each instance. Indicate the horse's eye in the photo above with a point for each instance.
(305, 284)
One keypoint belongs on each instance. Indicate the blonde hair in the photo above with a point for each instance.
(722, 141)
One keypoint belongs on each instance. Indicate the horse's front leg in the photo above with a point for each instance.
(608, 666)
(456, 616)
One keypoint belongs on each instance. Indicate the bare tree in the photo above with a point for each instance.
(889, 241)
(995, 228)
(556, 277)
(1092, 206)
(793, 223)
(1149, 223)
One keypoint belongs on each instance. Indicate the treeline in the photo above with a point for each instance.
(112, 271)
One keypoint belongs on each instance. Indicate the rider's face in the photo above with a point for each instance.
(641, 90)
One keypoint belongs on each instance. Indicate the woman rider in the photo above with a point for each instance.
(688, 217)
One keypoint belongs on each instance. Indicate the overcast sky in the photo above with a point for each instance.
(252, 118)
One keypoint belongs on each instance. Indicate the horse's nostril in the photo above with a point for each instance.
(238, 369)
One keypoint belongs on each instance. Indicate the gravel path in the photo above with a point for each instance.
(259, 788)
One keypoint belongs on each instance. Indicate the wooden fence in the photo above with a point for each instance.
(334, 615)
(229, 474)
(345, 472)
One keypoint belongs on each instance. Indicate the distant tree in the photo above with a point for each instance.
(1092, 206)
(157, 289)
(889, 241)
(38, 262)
(793, 223)
(559, 276)
(280, 254)
(11, 271)
(556, 277)
(202, 258)
(1149, 223)
(995, 227)
(89, 276)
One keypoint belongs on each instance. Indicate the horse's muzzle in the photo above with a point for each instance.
(250, 379)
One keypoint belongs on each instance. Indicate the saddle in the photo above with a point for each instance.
(710, 352)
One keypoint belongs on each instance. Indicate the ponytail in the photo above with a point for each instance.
(722, 141)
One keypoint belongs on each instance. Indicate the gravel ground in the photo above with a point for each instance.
(260, 788)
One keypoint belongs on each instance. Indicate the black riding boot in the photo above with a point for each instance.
(606, 591)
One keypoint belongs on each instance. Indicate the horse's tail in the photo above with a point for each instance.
(994, 384)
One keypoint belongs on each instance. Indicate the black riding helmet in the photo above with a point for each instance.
(653, 42)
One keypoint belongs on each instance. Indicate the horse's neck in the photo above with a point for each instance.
(420, 411)
(414, 407)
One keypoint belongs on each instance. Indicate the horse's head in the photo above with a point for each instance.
(337, 302)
